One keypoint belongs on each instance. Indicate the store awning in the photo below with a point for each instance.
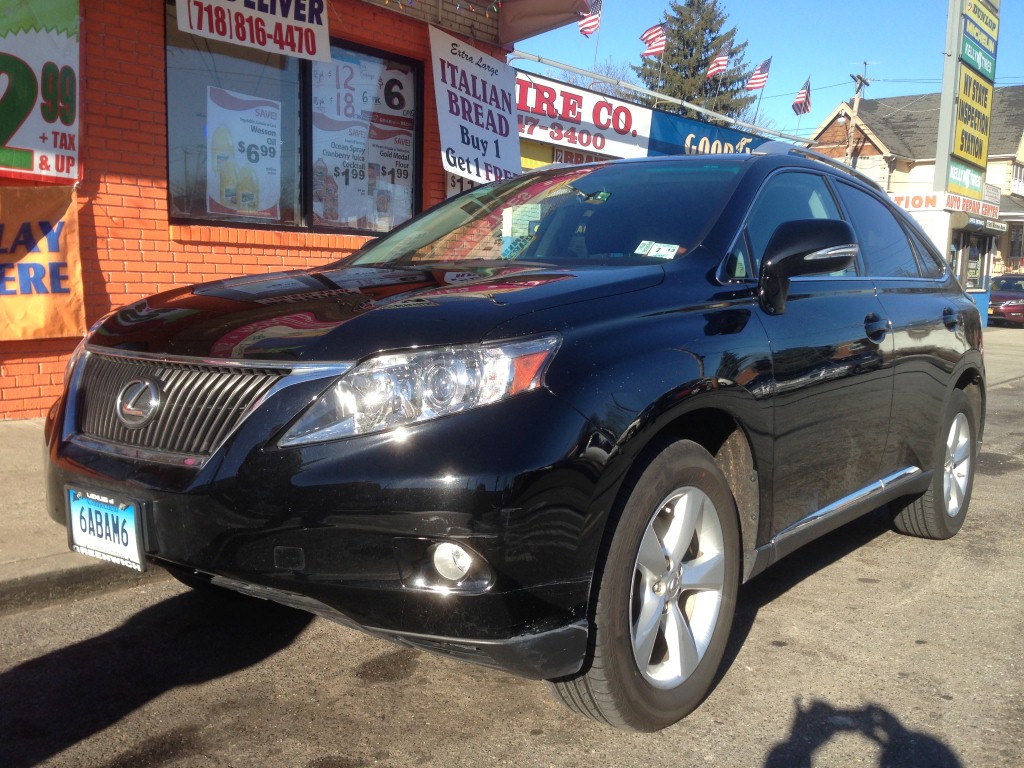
(520, 19)
(1011, 208)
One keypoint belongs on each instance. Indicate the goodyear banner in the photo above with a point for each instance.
(675, 135)
(40, 270)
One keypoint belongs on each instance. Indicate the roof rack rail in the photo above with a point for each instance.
(782, 148)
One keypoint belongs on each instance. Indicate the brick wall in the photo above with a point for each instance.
(128, 248)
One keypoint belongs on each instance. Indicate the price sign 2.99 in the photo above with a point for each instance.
(39, 106)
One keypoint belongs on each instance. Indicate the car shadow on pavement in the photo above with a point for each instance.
(817, 722)
(55, 701)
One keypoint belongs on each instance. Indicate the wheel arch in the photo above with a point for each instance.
(723, 436)
(972, 383)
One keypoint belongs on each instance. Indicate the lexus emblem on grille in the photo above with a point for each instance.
(137, 402)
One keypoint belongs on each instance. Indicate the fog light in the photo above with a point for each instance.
(452, 561)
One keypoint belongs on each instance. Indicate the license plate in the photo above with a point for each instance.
(105, 527)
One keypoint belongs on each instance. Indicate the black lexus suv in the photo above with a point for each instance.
(549, 425)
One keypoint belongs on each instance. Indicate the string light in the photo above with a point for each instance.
(486, 8)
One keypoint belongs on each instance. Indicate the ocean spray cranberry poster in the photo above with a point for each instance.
(364, 142)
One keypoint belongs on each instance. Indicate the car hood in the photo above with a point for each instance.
(344, 313)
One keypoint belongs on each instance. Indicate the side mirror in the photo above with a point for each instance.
(804, 247)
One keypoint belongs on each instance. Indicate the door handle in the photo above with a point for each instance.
(876, 327)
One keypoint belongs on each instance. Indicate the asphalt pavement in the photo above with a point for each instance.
(36, 565)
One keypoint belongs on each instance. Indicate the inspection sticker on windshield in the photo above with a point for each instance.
(657, 250)
(104, 527)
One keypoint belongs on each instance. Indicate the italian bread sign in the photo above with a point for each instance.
(476, 111)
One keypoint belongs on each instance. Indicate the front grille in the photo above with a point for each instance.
(200, 403)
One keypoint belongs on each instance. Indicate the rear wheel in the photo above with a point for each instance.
(666, 596)
(940, 512)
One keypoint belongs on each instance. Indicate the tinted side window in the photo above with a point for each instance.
(929, 260)
(883, 243)
(785, 197)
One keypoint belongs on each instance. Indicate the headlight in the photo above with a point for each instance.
(397, 390)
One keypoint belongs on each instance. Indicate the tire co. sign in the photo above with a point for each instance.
(556, 113)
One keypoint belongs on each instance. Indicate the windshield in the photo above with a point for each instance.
(1009, 283)
(624, 213)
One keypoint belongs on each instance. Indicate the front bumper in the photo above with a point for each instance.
(340, 529)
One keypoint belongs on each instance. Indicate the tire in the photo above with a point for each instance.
(665, 597)
(941, 510)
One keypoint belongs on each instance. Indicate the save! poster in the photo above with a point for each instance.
(40, 269)
(364, 124)
(243, 165)
(39, 76)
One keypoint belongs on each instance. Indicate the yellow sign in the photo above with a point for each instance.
(40, 269)
(973, 119)
(986, 19)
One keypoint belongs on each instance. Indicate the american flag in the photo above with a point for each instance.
(590, 22)
(720, 63)
(760, 76)
(655, 39)
(802, 102)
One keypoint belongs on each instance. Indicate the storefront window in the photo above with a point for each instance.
(233, 138)
(1016, 259)
(258, 138)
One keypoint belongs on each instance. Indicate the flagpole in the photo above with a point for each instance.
(718, 90)
(597, 43)
(661, 69)
(758, 107)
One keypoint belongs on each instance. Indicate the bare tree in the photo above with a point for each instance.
(614, 70)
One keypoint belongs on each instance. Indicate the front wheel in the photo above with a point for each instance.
(940, 512)
(666, 596)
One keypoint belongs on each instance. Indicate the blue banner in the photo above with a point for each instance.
(677, 135)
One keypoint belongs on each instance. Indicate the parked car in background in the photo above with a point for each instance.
(548, 426)
(1006, 305)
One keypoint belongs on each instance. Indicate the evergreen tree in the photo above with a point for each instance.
(694, 36)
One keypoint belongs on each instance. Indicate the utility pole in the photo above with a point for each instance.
(862, 82)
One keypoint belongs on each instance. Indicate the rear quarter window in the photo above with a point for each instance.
(884, 244)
